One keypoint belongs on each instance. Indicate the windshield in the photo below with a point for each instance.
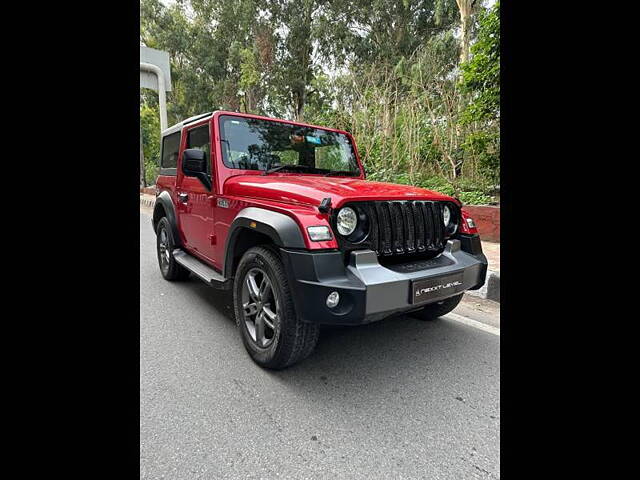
(253, 144)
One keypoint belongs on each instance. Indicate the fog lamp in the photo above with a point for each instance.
(333, 299)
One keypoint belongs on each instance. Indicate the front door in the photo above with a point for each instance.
(195, 202)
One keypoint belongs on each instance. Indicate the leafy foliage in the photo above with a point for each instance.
(386, 70)
(149, 128)
(481, 79)
(481, 75)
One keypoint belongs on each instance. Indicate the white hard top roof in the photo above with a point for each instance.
(178, 126)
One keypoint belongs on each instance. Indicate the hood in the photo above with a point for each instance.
(311, 189)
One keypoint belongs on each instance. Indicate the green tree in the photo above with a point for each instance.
(481, 80)
(362, 32)
(150, 130)
(481, 74)
(204, 47)
(386, 70)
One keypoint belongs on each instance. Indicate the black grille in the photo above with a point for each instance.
(405, 227)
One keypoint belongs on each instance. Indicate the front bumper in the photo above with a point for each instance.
(370, 291)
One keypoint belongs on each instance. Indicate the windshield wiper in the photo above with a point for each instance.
(280, 167)
(340, 172)
(308, 168)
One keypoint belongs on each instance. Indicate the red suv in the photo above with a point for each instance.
(280, 212)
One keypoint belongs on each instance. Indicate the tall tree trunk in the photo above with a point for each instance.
(300, 102)
(466, 8)
(300, 97)
(248, 102)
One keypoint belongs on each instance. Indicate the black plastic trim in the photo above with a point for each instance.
(470, 243)
(368, 290)
(280, 228)
(398, 228)
(483, 275)
(164, 199)
(313, 276)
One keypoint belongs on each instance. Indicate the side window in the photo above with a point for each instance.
(170, 148)
(199, 138)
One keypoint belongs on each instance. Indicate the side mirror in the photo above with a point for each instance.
(194, 161)
(194, 164)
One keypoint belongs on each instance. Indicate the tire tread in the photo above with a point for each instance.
(175, 271)
(296, 342)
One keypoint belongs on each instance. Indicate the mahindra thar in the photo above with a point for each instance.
(280, 213)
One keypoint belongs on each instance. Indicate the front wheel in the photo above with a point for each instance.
(265, 314)
(437, 309)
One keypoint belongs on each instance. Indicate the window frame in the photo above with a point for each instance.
(207, 128)
(223, 116)
(172, 171)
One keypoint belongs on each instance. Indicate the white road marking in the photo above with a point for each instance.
(473, 323)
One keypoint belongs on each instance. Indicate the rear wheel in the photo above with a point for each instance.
(265, 314)
(437, 309)
(169, 268)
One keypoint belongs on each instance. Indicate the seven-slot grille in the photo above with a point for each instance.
(398, 227)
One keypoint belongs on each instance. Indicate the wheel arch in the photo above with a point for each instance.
(257, 226)
(164, 208)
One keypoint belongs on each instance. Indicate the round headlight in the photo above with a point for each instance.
(347, 221)
(446, 215)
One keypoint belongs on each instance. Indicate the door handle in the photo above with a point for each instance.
(183, 197)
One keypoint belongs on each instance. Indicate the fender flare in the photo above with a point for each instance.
(281, 228)
(165, 200)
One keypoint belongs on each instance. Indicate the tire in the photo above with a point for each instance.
(437, 309)
(169, 268)
(265, 314)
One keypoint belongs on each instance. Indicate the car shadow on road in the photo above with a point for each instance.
(377, 354)
(220, 300)
(390, 353)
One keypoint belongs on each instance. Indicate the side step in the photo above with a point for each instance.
(203, 271)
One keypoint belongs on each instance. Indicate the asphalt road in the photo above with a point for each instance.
(398, 398)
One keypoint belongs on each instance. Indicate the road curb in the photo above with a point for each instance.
(147, 200)
(491, 288)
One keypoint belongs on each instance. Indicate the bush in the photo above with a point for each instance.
(469, 192)
(151, 171)
(150, 130)
(474, 198)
